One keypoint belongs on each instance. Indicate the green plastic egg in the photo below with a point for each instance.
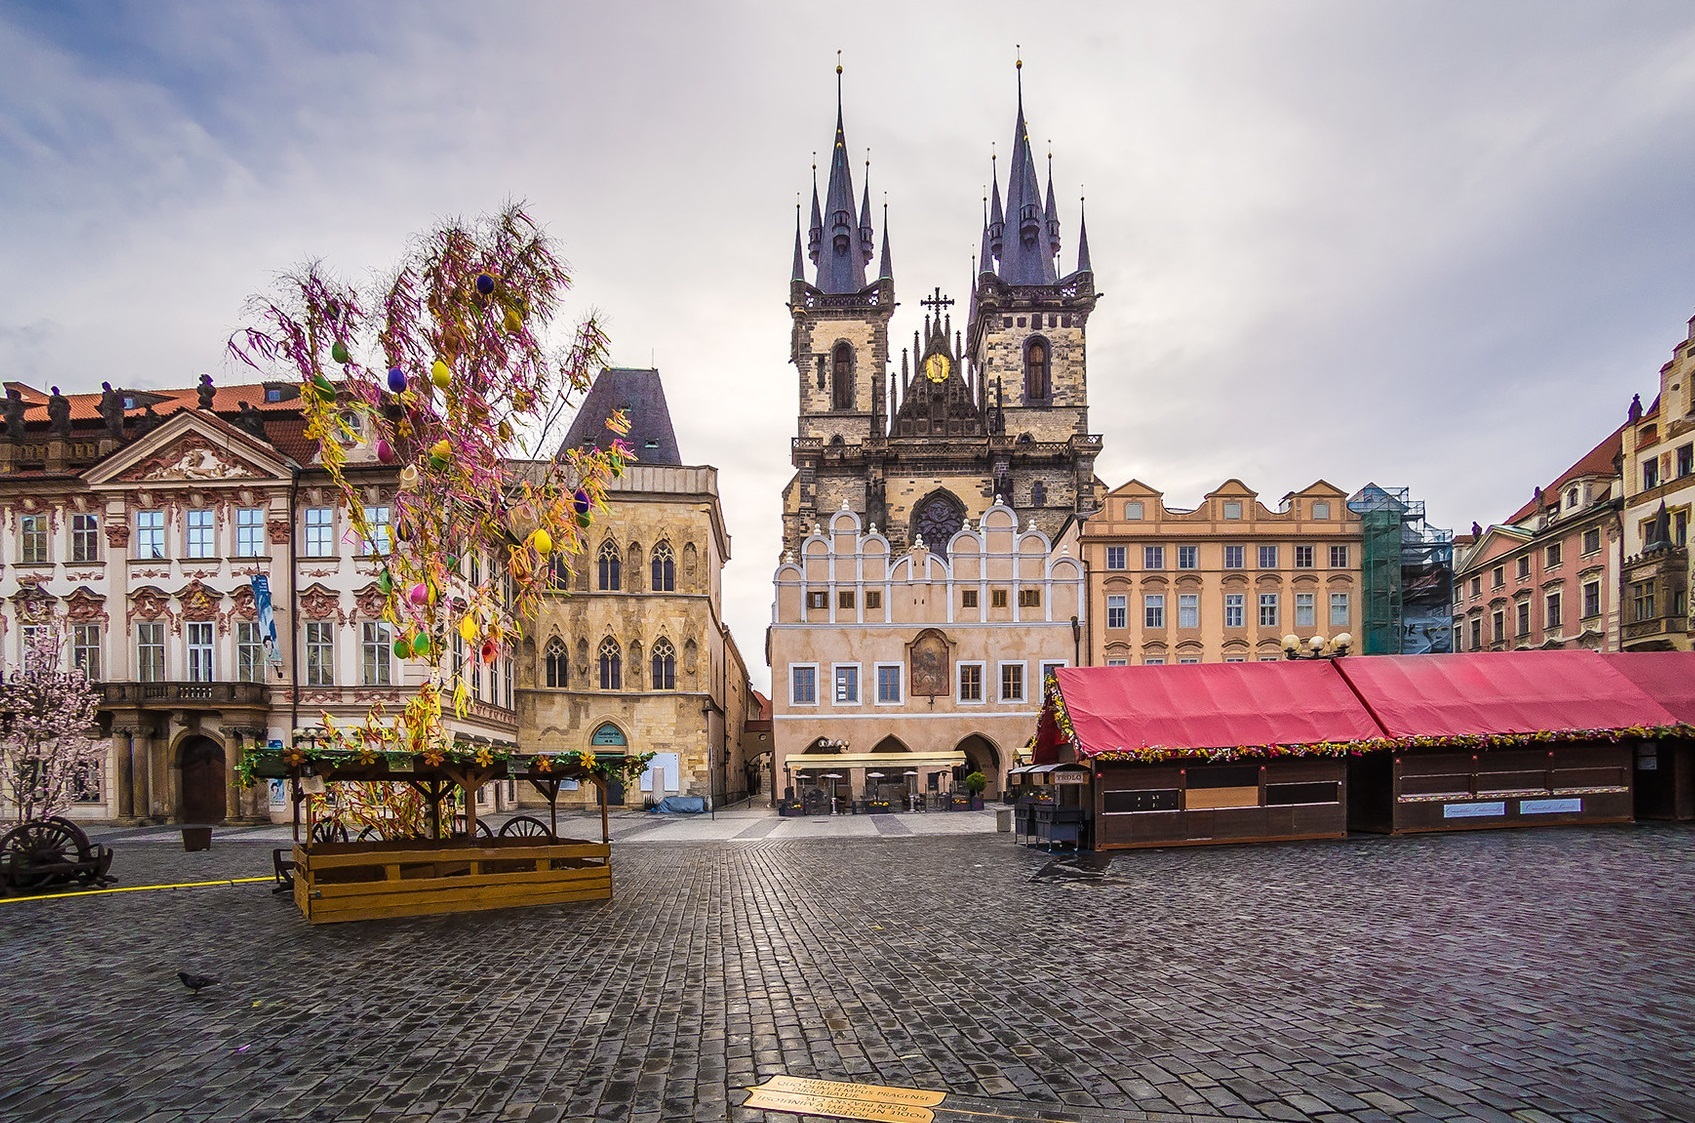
(339, 352)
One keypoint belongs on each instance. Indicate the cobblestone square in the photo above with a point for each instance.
(1507, 976)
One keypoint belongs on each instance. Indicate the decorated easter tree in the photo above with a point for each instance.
(47, 715)
(448, 373)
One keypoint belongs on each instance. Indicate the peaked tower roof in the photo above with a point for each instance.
(642, 396)
(841, 263)
(1083, 265)
(1025, 258)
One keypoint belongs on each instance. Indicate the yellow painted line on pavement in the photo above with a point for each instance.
(135, 889)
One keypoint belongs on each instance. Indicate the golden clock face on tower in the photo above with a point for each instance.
(936, 368)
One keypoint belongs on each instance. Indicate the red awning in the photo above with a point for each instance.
(1480, 693)
(1668, 677)
(1209, 706)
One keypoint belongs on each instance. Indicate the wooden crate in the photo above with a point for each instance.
(340, 881)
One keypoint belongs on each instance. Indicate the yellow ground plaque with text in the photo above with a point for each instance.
(874, 1102)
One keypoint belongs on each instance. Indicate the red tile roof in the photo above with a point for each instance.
(1598, 461)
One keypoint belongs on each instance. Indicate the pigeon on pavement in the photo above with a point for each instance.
(196, 983)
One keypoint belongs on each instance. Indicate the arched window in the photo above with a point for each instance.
(558, 571)
(1038, 494)
(611, 665)
(664, 666)
(841, 377)
(664, 569)
(1037, 363)
(558, 664)
(610, 567)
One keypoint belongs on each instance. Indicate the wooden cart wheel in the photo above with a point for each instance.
(29, 852)
(370, 834)
(483, 829)
(328, 830)
(524, 826)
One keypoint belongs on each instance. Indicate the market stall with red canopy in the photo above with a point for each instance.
(1665, 768)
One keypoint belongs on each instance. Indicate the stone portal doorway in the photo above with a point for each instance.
(980, 756)
(204, 781)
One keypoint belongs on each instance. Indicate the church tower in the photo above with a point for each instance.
(839, 344)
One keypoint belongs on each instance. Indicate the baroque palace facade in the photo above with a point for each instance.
(940, 590)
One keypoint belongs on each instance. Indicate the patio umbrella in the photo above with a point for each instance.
(874, 775)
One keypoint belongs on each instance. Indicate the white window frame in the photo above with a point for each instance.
(1153, 660)
(318, 668)
(836, 670)
(1189, 613)
(1153, 603)
(1118, 662)
(900, 683)
(1311, 556)
(1153, 557)
(202, 658)
(85, 530)
(1001, 668)
(1339, 556)
(250, 659)
(379, 541)
(1240, 554)
(35, 540)
(1122, 608)
(793, 667)
(1274, 602)
(1267, 551)
(311, 547)
(1047, 666)
(87, 655)
(249, 532)
(200, 533)
(144, 630)
(1306, 614)
(1241, 607)
(959, 683)
(1189, 554)
(376, 655)
(1118, 554)
(150, 535)
(1339, 609)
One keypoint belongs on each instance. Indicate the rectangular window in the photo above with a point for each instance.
(1029, 598)
(1477, 586)
(1232, 508)
(1338, 557)
(1268, 557)
(874, 598)
(888, 683)
(1554, 552)
(1523, 568)
(1555, 622)
(249, 532)
(1187, 660)
(845, 599)
(33, 529)
(85, 538)
(150, 652)
(1338, 610)
(201, 533)
(803, 686)
(249, 653)
(1521, 611)
(1650, 473)
(28, 637)
(1497, 577)
(320, 653)
(1115, 557)
(1234, 609)
(1268, 610)
(85, 650)
(1048, 671)
(1117, 612)
(1234, 557)
(1153, 610)
(320, 532)
(1477, 633)
(1685, 460)
(970, 682)
(1498, 626)
(1117, 662)
(818, 600)
(1321, 510)
(1153, 557)
(1153, 660)
(1303, 557)
(1188, 557)
(1306, 610)
(149, 534)
(199, 640)
(847, 686)
(376, 531)
(968, 598)
(997, 598)
(376, 665)
(1188, 610)
(1642, 600)
(1133, 510)
(1591, 598)
(1012, 682)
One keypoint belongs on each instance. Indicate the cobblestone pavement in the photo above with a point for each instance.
(1522, 976)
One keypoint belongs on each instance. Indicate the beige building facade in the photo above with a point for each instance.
(629, 652)
(1659, 493)
(920, 666)
(1224, 582)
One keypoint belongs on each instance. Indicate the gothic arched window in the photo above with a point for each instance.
(841, 377)
(611, 665)
(664, 569)
(938, 518)
(610, 567)
(558, 664)
(664, 666)
(1037, 367)
(1038, 494)
(558, 571)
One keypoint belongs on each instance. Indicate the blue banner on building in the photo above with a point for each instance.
(267, 619)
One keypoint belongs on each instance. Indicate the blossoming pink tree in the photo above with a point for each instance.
(48, 716)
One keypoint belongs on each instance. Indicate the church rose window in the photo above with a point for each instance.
(939, 519)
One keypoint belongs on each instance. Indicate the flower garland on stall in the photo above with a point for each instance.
(445, 376)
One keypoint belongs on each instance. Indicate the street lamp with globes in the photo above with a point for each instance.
(1317, 647)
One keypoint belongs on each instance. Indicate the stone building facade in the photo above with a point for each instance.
(630, 653)
(1549, 575)
(1224, 582)
(920, 665)
(996, 415)
(135, 521)
(1658, 451)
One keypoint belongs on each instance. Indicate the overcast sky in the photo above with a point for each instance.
(1433, 245)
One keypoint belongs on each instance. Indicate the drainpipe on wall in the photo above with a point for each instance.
(293, 610)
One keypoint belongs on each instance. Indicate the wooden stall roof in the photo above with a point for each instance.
(1668, 677)
(1502, 692)
(1202, 706)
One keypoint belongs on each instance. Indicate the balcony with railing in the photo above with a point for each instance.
(175, 695)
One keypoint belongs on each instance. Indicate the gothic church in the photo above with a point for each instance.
(1000, 414)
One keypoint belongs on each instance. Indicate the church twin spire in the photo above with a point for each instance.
(842, 242)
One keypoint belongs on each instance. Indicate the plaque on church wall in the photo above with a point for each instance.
(928, 657)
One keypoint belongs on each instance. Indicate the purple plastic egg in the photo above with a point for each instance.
(581, 502)
(485, 283)
(385, 451)
(396, 380)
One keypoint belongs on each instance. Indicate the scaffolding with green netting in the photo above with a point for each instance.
(1407, 575)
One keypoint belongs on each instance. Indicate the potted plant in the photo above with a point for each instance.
(975, 783)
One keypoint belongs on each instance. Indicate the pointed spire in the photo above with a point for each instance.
(867, 243)
(841, 266)
(886, 270)
(1051, 217)
(997, 218)
(799, 271)
(1024, 259)
(1083, 265)
(817, 234)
